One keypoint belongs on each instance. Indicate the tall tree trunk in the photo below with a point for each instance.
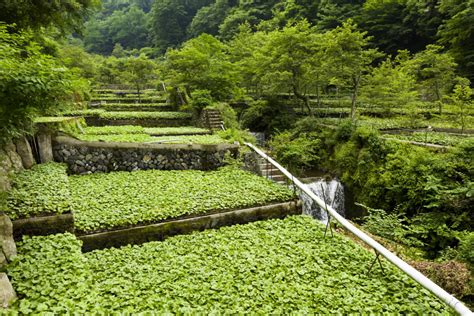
(303, 98)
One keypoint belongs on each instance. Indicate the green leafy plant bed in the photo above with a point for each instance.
(144, 115)
(132, 105)
(186, 130)
(123, 199)
(53, 119)
(129, 99)
(146, 138)
(119, 138)
(191, 139)
(113, 130)
(267, 267)
(86, 112)
(432, 138)
(42, 190)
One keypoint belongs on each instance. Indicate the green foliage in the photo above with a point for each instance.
(400, 24)
(85, 112)
(434, 72)
(140, 71)
(390, 86)
(389, 226)
(66, 15)
(103, 201)
(146, 138)
(275, 266)
(200, 99)
(119, 138)
(42, 190)
(192, 139)
(47, 268)
(31, 83)
(187, 130)
(457, 32)
(171, 19)
(113, 130)
(296, 151)
(228, 114)
(266, 116)
(144, 115)
(233, 135)
(203, 63)
(431, 137)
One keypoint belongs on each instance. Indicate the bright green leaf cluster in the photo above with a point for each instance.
(267, 267)
(132, 105)
(44, 189)
(119, 138)
(186, 130)
(191, 139)
(144, 115)
(114, 130)
(431, 137)
(121, 199)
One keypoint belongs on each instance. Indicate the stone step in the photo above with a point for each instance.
(278, 177)
(271, 172)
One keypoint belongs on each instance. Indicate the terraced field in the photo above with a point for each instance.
(276, 266)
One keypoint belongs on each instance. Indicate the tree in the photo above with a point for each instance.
(140, 71)
(287, 61)
(209, 18)
(65, 15)
(31, 83)
(462, 99)
(203, 63)
(400, 24)
(129, 27)
(457, 33)
(389, 86)
(348, 58)
(434, 71)
(171, 19)
(332, 13)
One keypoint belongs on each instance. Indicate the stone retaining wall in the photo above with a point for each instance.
(89, 157)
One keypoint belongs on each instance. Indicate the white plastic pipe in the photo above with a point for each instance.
(457, 305)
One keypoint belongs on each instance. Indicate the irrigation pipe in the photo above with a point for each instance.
(457, 305)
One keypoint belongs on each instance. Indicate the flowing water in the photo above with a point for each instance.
(332, 192)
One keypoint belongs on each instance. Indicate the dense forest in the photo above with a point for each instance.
(327, 81)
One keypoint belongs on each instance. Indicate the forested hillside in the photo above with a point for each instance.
(393, 25)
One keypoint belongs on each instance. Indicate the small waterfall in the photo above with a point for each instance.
(332, 191)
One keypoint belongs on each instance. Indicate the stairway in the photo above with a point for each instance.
(213, 119)
(270, 172)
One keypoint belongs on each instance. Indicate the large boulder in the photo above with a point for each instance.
(23, 149)
(7, 244)
(5, 170)
(45, 147)
(7, 293)
(15, 159)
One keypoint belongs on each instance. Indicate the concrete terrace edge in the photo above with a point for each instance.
(160, 231)
(43, 225)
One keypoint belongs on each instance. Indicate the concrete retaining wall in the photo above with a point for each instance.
(43, 225)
